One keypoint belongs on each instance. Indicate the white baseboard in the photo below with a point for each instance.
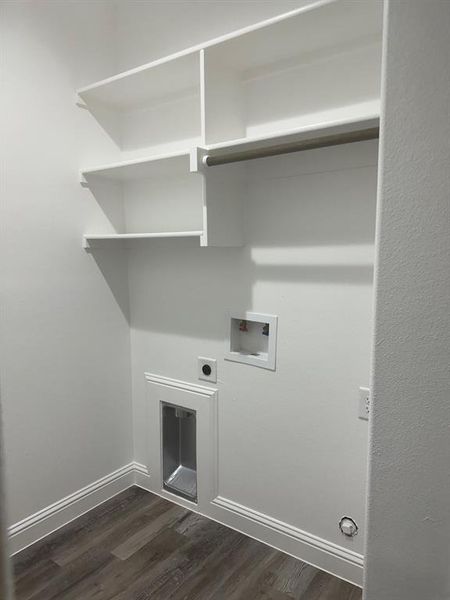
(325, 555)
(320, 553)
(36, 526)
(337, 560)
(141, 476)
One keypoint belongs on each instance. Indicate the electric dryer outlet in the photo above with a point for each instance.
(207, 369)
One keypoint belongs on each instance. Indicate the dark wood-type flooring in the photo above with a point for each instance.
(138, 546)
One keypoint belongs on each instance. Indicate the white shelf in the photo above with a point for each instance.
(322, 63)
(217, 201)
(273, 76)
(179, 163)
(168, 76)
(309, 74)
(156, 106)
(151, 83)
(317, 27)
(90, 238)
(152, 197)
(173, 164)
(302, 30)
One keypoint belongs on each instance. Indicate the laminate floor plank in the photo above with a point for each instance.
(80, 528)
(72, 544)
(118, 576)
(142, 537)
(36, 578)
(244, 577)
(205, 582)
(201, 556)
(185, 562)
(116, 530)
(138, 546)
(261, 583)
(70, 576)
(294, 577)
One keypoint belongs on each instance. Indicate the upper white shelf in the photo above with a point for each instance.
(151, 83)
(307, 78)
(318, 63)
(150, 109)
(320, 25)
(300, 34)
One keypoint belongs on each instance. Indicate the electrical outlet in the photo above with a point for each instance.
(364, 403)
(207, 369)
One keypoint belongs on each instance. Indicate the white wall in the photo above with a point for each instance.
(64, 332)
(408, 545)
(290, 443)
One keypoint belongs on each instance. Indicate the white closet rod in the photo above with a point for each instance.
(297, 146)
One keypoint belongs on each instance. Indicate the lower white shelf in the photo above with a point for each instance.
(88, 239)
(179, 191)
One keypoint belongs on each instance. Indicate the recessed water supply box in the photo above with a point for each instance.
(253, 340)
(179, 451)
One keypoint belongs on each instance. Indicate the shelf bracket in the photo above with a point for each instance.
(197, 159)
(80, 102)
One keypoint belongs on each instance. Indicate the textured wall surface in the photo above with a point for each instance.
(408, 549)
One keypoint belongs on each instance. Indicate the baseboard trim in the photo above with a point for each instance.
(140, 469)
(320, 553)
(297, 534)
(317, 551)
(56, 515)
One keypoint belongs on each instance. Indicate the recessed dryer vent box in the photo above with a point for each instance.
(179, 451)
(253, 340)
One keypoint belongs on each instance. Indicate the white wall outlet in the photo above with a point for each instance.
(207, 369)
(364, 403)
